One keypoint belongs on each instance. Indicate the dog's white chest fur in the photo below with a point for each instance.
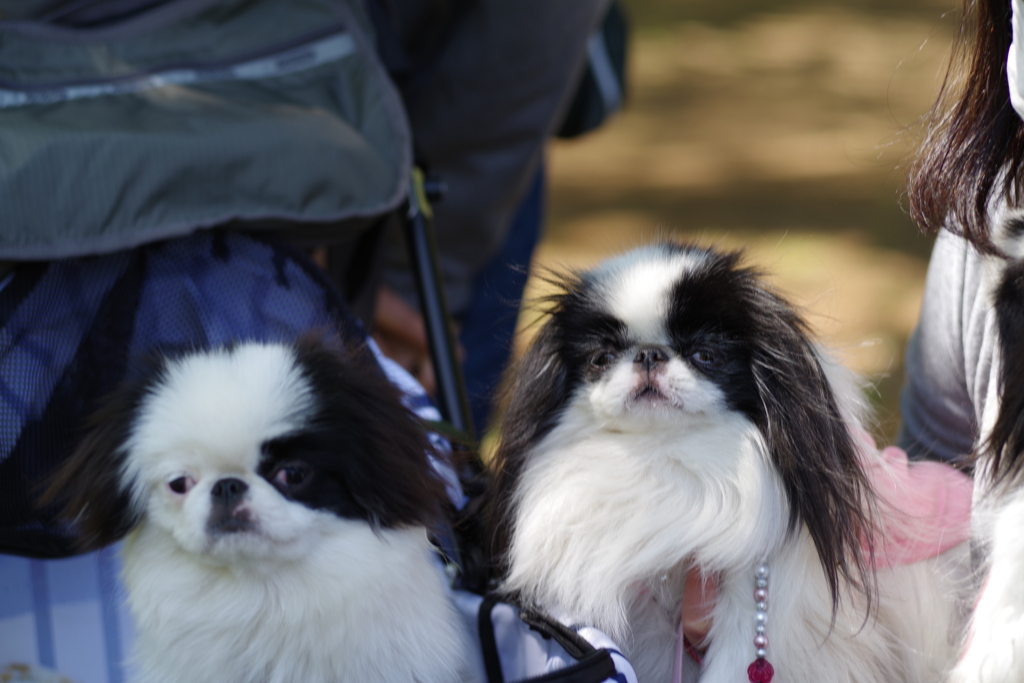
(365, 607)
(608, 509)
(608, 523)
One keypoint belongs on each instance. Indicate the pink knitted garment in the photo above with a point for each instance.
(924, 507)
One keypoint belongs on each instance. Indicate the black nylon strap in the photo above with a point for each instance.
(488, 645)
(596, 667)
(593, 665)
(575, 644)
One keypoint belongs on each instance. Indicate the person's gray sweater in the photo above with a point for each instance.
(949, 361)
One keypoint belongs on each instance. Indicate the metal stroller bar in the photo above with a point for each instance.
(419, 234)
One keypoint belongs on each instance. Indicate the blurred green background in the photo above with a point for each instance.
(781, 127)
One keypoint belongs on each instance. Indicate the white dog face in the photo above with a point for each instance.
(639, 372)
(654, 339)
(204, 454)
(253, 451)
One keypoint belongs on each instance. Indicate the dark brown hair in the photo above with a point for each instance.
(972, 134)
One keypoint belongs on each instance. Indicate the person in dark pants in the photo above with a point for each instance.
(489, 323)
(486, 85)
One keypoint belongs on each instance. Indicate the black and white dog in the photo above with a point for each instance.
(276, 500)
(994, 651)
(672, 414)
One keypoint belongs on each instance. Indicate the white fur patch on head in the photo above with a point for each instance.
(221, 406)
(638, 287)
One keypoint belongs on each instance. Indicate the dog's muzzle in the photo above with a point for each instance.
(226, 513)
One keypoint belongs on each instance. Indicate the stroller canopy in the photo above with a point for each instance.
(187, 114)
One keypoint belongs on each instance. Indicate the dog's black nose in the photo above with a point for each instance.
(650, 357)
(228, 491)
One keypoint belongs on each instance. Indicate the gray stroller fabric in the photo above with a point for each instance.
(262, 114)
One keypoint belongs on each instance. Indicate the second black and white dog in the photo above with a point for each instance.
(276, 500)
(994, 647)
(673, 413)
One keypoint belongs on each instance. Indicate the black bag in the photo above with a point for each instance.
(602, 90)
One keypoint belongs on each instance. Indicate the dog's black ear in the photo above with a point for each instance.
(90, 488)
(1004, 445)
(535, 390)
(387, 467)
(811, 445)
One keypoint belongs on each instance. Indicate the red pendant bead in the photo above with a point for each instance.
(760, 671)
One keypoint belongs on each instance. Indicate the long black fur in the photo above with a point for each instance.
(811, 445)
(89, 484)
(787, 396)
(1004, 447)
(363, 438)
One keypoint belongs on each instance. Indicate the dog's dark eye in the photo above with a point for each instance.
(602, 359)
(706, 358)
(291, 476)
(180, 485)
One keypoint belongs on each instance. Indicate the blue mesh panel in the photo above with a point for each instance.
(234, 288)
(39, 340)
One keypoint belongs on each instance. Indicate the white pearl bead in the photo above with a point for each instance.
(761, 617)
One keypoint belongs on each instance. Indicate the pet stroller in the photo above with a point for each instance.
(165, 167)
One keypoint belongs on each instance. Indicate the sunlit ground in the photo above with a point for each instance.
(781, 132)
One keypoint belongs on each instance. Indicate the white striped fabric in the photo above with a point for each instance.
(68, 615)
